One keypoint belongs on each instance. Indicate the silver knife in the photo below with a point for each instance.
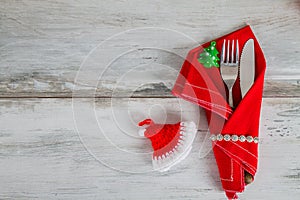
(247, 67)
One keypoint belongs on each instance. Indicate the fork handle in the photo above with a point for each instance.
(230, 99)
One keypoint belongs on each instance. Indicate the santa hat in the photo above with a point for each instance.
(171, 142)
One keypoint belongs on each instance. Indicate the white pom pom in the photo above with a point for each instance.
(142, 132)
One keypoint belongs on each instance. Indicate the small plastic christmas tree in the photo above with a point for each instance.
(209, 56)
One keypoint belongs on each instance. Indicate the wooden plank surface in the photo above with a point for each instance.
(44, 43)
(127, 54)
(42, 156)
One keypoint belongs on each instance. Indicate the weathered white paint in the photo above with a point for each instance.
(45, 42)
(41, 155)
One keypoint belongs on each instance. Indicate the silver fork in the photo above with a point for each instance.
(229, 66)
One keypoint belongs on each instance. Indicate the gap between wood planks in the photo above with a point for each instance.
(120, 97)
(272, 89)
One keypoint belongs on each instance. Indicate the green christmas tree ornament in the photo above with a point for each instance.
(209, 56)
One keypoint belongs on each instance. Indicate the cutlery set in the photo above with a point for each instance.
(233, 67)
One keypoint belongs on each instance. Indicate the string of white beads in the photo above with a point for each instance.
(234, 138)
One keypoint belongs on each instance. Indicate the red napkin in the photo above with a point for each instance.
(205, 87)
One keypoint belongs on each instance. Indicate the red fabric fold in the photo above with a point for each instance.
(205, 87)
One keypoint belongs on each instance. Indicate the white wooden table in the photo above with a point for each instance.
(76, 77)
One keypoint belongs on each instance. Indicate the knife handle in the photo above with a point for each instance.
(248, 177)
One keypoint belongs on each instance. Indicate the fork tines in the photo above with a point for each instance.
(226, 61)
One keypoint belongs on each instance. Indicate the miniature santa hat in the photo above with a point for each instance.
(171, 142)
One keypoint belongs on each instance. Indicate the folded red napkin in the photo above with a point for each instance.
(234, 133)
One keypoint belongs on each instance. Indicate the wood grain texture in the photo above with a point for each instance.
(44, 43)
(56, 147)
(43, 157)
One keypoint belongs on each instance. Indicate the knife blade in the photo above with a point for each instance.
(247, 67)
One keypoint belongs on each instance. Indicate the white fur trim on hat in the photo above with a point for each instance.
(188, 132)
